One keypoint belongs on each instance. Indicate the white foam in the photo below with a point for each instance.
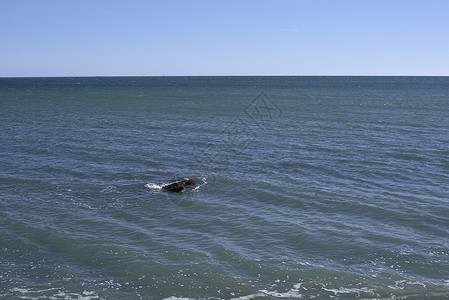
(154, 186)
(292, 293)
(203, 178)
(349, 290)
(401, 284)
(250, 296)
(58, 293)
(27, 291)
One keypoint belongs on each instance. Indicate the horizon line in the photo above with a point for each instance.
(117, 76)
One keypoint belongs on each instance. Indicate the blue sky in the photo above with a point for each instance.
(283, 37)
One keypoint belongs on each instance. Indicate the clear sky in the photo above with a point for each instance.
(232, 37)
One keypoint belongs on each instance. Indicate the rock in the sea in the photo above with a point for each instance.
(179, 186)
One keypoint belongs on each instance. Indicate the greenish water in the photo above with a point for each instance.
(308, 187)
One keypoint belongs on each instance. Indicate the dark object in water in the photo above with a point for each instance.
(179, 185)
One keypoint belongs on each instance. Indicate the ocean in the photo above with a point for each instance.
(306, 188)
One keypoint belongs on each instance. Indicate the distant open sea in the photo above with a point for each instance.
(307, 188)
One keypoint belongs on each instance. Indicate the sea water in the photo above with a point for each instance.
(307, 187)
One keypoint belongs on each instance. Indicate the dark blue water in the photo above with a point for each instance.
(307, 187)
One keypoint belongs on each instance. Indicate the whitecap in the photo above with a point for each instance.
(58, 293)
(154, 186)
(343, 290)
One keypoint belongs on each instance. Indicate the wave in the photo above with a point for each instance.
(52, 293)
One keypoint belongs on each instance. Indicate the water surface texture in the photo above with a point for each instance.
(307, 187)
